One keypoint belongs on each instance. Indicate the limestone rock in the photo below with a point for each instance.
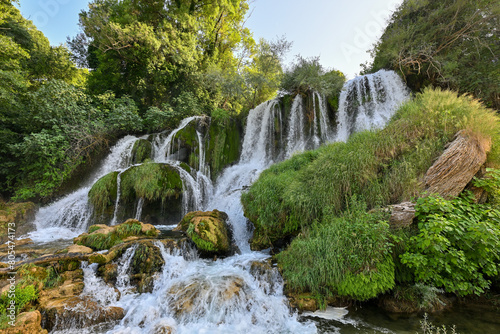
(77, 312)
(27, 322)
(402, 214)
(79, 249)
(21, 214)
(208, 230)
(458, 164)
(104, 237)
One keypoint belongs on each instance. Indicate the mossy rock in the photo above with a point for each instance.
(147, 261)
(186, 146)
(209, 231)
(104, 237)
(141, 151)
(159, 185)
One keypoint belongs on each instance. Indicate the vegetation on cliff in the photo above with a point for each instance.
(313, 191)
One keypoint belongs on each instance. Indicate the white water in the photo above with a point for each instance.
(70, 216)
(362, 110)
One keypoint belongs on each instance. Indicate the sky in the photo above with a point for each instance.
(340, 32)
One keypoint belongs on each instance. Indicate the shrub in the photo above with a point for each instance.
(457, 246)
(347, 256)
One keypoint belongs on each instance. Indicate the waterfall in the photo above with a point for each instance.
(368, 102)
(223, 296)
(138, 212)
(117, 202)
(70, 216)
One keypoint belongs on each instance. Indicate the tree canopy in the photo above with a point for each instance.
(451, 43)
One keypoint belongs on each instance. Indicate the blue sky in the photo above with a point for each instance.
(339, 32)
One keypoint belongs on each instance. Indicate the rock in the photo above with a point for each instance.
(77, 312)
(458, 164)
(200, 294)
(79, 249)
(26, 322)
(141, 151)
(104, 237)
(303, 302)
(208, 231)
(20, 214)
(402, 214)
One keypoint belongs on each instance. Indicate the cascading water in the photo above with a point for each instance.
(225, 296)
(71, 215)
(369, 101)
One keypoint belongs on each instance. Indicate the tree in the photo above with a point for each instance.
(451, 43)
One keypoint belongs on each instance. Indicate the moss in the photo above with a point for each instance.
(103, 193)
(141, 151)
(186, 167)
(94, 228)
(208, 231)
(151, 181)
(223, 145)
(113, 235)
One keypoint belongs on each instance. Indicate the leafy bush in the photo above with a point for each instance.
(347, 256)
(457, 246)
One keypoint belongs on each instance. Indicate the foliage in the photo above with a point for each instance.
(23, 296)
(151, 181)
(346, 255)
(308, 74)
(383, 167)
(457, 246)
(101, 241)
(451, 44)
(425, 297)
(491, 183)
(428, 328)
(104, 192)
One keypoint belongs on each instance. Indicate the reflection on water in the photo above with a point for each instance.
(468, 319)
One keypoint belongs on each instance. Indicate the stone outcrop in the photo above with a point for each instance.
(27, 322)
(20, 214)
(458, 164)
(208, 230)
(402, 214)
(102, 237)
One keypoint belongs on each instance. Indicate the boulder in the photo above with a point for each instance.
(77, 312)
(208, 230)
(102, 237)
(458, 164)
(141, 151)
(27, 322)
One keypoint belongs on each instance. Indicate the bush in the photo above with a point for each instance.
(457, 246)
(347, 256)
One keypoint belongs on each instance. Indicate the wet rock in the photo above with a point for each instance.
(27, 322)
(402, 214)
(79, 249)
(196, 297)
(19, 214)
(77, 312)
(102, 237)
(458, 164)
(146, 263)
(303, 302)
(208, 230)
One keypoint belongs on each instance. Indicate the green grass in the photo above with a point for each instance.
(103, 193)
(382, 167)
(347, 256)
(150, 181)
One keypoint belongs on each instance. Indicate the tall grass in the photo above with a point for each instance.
(383, 167)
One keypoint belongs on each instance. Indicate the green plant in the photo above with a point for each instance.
(490, 183)
(457, 246)
(428, 328)
(347, 256)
